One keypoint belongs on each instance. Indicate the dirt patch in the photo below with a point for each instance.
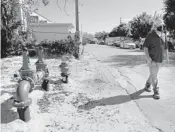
(44, 104)
(81, 98)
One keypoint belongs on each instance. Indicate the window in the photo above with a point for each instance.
(42, 21)
(34, 19)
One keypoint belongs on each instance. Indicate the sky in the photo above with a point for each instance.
(98, 15)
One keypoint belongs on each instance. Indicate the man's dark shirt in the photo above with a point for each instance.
(156, 46)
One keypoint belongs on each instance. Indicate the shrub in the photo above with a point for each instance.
(32, 52)
(59, 47)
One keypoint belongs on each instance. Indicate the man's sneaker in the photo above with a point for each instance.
(156, 93)
(147, 87)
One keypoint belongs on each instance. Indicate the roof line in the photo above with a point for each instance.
(52, 24)
(42, 16)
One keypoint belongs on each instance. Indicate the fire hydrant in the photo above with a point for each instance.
(64, 66)
(27, 81)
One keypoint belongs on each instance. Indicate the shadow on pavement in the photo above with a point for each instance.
(7, 114)
(114, 100)
(126, 60)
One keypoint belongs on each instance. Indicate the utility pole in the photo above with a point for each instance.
(81, 33)
(120, 24)
(77, 16)
(82, 40)
(77, 34)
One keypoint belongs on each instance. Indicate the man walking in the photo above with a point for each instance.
(155, 47)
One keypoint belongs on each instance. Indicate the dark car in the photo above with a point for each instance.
(171, 46)
(117, 43)
(92, 42)
(101, 42)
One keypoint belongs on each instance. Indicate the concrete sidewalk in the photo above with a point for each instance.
(160, 112)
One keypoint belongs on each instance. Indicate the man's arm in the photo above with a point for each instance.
(146, 45)
(166, 54)
(148, 58)
(166, 49)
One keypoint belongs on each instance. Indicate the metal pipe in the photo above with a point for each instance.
(22, 101)
(23, 90)
(27, 83)
(25, 64)
(64, 69)
(42, 70)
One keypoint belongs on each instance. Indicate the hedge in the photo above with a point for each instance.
(58, 47)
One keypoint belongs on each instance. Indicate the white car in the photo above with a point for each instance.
(128, 45)
(110, 43)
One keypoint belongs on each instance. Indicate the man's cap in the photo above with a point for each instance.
(158, 22)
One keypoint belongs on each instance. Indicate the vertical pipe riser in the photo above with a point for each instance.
(64, 71)
(40, 65)
(25, 85)
(42, 70)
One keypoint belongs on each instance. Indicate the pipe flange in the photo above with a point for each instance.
(31, 82)
(22, 104)
(27, 78)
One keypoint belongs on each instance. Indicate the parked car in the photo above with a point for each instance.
(92, 42)
(110, 43)
(117, 43)
(171, 46)
(128, 45)
(141, 43)
(101, 42)
(137, 44)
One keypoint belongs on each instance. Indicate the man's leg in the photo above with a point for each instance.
(148, 84)
(154, 72)
(149, 80)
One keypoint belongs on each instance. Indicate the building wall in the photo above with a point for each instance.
(49, 32)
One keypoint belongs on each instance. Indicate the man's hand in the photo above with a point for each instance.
(149, 60)
(167, 60)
